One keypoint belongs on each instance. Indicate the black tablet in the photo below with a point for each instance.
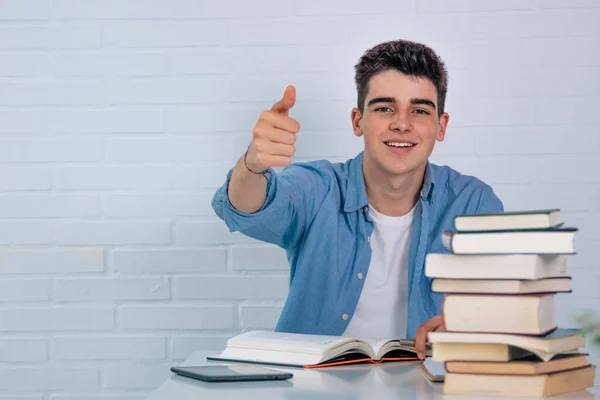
(231, 373)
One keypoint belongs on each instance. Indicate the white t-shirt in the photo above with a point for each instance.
(382, 309)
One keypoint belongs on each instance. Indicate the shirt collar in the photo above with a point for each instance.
(356, 192)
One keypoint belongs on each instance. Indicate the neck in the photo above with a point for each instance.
(392, 195)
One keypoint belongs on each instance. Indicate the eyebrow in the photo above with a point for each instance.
(392, 100)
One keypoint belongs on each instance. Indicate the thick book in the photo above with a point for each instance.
(547, 241)
(313, 351)
(433, 371)
(545, 347)
(505, 266)
(520, 385)
(522, 220)
(531, 314)
(501, 286)
(525, 366)
(489, 352)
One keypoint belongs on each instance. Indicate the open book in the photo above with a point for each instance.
(312, 351)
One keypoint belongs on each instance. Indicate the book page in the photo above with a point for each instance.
(287, 341)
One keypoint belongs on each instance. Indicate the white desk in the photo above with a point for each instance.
(380, 382)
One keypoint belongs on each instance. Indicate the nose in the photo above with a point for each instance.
(401, 121)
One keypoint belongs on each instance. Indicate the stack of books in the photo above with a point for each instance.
(500, 282)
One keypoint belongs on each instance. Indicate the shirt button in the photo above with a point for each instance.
(359, 275)
(369, 239)
(345, 317)
(365, 209)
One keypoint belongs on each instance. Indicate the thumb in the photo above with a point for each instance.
(289, 99)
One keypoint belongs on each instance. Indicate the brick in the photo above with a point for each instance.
(506, 83)
(136, 376)
(587, 224)
(23, 290)
(49, 379)
(569, 198)
(213, 119)
(107, 121)
(476, 112)
(105, 177)
(25, 65)
(24, 122)
(24, 178)
(76, 37)
(110, 65)
(535, 140)
(493, 170)
(159, 206)
(340, 7)
(245, 287)
(99, 397)
(14, 350)
(131, 9)
(544, 51)
(110, 289)
(261, 59)
(167, 91)
(569, 168)
(586, 256)
(582, 81)
(166, 34)
(566, 111)
(260, 317)
(26, 232)
(21, 37)
(56, 319)
(568, 4)
(48, 205)
(208, 233)
(169, 261)
(201, 61)
(440, 6)
(316, 58)
(585, 282)
(177, 317)
(46, 93)
(492, 54)
(24, 10)
(313, 116)
(313, 86)
(259, 258)
(180, 149)
(568, 307)
(184, 346)
(113, 232)
(324, 145)
(261, 8)
(208, 176)
(108, 348)
(51, 150)
(456, 142)
(55, 261)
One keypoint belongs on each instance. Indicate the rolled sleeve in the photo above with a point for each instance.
(284, 214)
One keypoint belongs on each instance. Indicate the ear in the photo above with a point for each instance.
(441, 133)
(356, 119)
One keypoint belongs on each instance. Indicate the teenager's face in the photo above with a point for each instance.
(400, 122)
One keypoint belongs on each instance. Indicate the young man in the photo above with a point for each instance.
(356, 233)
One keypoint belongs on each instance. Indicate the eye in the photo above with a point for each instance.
(383, 109)
(421, 111)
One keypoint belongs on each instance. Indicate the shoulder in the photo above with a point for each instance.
(469, 191)
(318, 171)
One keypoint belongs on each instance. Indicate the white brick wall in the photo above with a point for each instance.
(121, 117)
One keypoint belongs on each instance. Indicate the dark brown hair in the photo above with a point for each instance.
(404, 56)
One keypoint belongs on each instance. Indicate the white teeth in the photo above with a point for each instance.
(399, 144)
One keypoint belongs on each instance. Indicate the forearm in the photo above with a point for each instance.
(246, 191)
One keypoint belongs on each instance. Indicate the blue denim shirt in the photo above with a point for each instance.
(318, 212)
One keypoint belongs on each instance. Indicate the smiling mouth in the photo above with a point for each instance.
(399, 144)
